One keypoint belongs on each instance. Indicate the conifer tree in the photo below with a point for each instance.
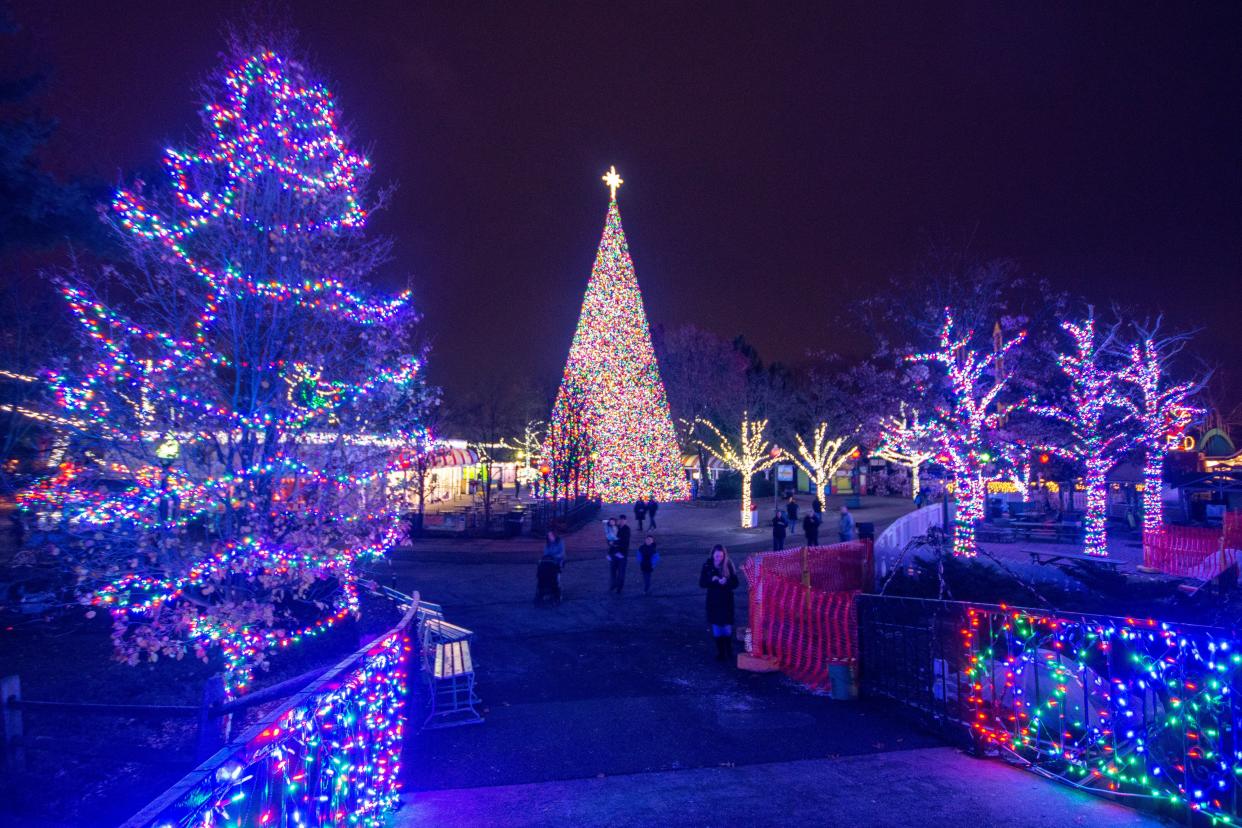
(611, 433)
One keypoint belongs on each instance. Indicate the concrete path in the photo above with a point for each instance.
(610, 710)
(930, 786)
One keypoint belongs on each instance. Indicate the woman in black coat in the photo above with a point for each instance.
(719, 578)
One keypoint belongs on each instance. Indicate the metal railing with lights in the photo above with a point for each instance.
(1135, 709)
(329, 755)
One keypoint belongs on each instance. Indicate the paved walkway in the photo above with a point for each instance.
(609, 710)
(927, 786)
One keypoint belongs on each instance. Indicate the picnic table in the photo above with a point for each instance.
(1046, 531)
(1044, 557)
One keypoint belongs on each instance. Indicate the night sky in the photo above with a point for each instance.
(777, 163)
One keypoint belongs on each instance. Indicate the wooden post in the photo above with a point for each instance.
(213, 730)
(14, 750)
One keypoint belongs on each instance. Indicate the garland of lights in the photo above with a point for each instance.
(269, 132)
(611, 432)
(1117, 705)
(961, 427)
(333, 760)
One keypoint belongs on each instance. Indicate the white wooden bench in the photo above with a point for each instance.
(448, 673)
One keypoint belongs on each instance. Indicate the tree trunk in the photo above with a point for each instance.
(1095, 519)
(1153, 483)
(967, 514)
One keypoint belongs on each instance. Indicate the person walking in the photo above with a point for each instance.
(811, 528)
(817, 511)
(554, 548)
(846, 525)
(791, 514)
(610, 538)
(621, 551)
(640, 512)
(652, 506)
(778, 530)
(719, 578)
(648, 557)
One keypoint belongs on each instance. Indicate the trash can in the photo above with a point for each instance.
(513, 524)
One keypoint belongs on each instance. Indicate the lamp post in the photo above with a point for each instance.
(166, 453)
(775, 454)
(544, 471)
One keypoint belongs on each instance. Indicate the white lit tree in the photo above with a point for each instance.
(965, 420)
(823, 456)
(905, 441)
(752, 454)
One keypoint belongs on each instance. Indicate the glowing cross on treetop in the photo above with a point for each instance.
(613, 181)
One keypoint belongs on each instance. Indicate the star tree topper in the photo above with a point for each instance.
(613, 181)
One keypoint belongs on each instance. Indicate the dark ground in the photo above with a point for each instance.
(605, 710)
(610, 710)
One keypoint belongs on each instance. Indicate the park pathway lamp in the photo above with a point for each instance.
(775, 454)
(167, 453)
(545, 470)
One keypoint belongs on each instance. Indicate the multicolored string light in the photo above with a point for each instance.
(265, 506)
(1096, 439)
(1163, 413)
(1123, 706)
(334, 759)
(962, 424)
(611, 427)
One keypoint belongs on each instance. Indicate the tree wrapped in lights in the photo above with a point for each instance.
(1093, 414)
(253, 396)
(963, 426)
(611, 433)
(905, 440)
(752, 454)
(823, 456)
(1161, 409)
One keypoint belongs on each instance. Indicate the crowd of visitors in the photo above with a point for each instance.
(718, 576)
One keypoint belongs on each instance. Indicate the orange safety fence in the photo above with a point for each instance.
(802, 613)
(837, 567)
(1194, 551)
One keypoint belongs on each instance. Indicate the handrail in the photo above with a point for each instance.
(898, 533)
(1135, 709)
(257, 743)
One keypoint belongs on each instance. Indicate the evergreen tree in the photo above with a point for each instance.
(245, 407)
(611, 433)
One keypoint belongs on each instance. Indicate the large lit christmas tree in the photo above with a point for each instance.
(232, 431)
(611, 433)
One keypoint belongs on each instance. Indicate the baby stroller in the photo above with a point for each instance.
(548, 580)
